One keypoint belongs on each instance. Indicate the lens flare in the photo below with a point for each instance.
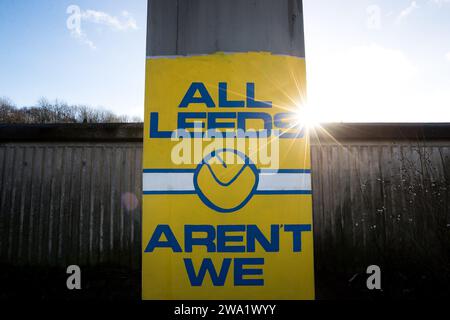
(307, 117)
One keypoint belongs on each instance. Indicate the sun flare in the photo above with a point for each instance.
(307, 116)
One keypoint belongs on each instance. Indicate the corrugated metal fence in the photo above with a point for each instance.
(72, 203)
(71, 195)
(384, 203)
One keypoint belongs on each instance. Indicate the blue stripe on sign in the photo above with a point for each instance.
(284, 192)
(270, 192)
(260, 170)
(284, 171)
(168, 192)
(169, 170)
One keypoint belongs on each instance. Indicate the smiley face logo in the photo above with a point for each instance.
(226, 180)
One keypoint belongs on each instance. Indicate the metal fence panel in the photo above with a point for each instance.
(383, 202)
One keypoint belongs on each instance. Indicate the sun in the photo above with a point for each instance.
(307, 117)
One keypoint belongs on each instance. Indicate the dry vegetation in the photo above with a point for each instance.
(56, 111)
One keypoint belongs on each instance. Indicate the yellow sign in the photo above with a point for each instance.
(227, 205)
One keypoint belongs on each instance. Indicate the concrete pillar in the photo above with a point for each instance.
(190, 27)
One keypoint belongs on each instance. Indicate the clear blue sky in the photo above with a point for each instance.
(373, 60)
(40, 57)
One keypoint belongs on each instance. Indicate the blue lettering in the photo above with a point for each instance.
(255, 234)
(214, 116)
(244, 116)
(184, 116)
(227, 238)
(208, 241)
(297, 230)
(154, 131)
(190, 97)
(289, 121)
(155, 241)
(223, 238)
(207, 266)
(223, 98)
(240, 271)
(251, 102)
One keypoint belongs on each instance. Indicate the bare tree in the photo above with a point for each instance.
(58, 111)
(8, 111)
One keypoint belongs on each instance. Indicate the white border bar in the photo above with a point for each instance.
(168, 181)
(179, 182)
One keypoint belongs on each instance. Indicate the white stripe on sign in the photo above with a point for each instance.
(284, 181)
(168, 181)
(184, 182)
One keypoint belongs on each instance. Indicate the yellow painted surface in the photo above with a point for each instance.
(286, 274)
